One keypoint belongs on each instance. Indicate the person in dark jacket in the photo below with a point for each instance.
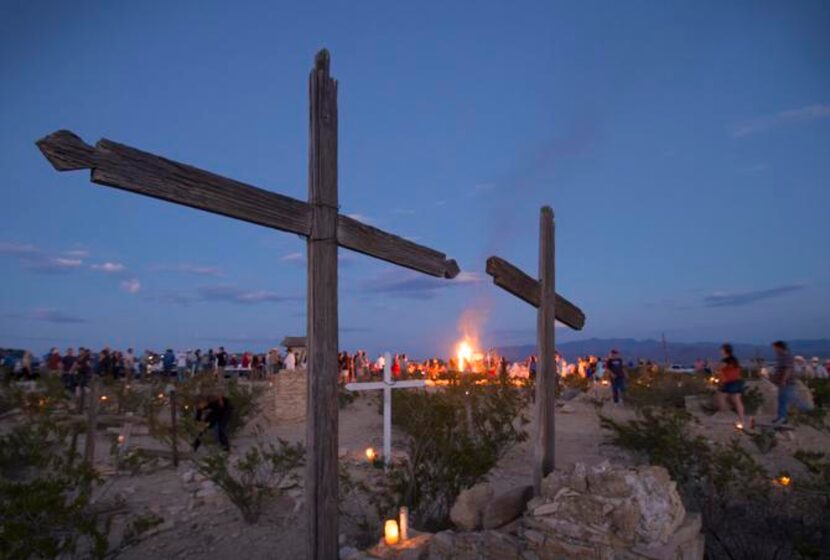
(216, 411)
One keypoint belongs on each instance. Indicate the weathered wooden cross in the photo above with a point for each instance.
(387, 385)
(123, 167)
(541, 294)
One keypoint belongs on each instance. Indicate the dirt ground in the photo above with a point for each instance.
(199, 522)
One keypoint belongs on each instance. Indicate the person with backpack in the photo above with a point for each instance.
(730, 383)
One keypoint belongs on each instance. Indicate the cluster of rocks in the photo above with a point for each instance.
(597, 513)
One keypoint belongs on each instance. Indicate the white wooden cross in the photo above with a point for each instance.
(387, 385)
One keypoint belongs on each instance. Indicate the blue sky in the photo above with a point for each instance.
(683, 146)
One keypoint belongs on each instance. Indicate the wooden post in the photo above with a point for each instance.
(321, 425)
(546, 374)
(173, 430)
(91, 421)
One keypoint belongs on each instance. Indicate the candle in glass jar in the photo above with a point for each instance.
(390, 532)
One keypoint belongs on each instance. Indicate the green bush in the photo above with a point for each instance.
(44, 496)
(454, 437)
(649, 389)
(250, 480)
(745, 516)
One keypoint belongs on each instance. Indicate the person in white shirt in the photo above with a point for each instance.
(290, 361)
(181, 365)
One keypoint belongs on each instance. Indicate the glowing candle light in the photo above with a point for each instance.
(739, 425)
(121, 438)
(390, 532)
(103, 397)
(161, 395)
(371, 455)
(784, 480)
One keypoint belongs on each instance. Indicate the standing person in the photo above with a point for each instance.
(168, 362)
(68, 370)
(784, 378)
(396, 367)
(54, 362)
(216, 411)
(616, 369)
(730, 383)
(221, 362)
(290, 360)
(181, 365)
(129, 364)
(83, 367)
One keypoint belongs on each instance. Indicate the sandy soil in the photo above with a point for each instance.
(196, 527)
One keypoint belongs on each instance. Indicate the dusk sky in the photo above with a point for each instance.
(684, 146)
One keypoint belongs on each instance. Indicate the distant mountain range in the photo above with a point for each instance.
(678, 352)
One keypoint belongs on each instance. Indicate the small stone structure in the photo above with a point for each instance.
(604, 513)
(597, 513)
(288, 395)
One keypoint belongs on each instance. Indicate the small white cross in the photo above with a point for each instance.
(387, 385)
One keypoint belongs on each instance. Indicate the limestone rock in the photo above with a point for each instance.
(466, 512)
(506, 507)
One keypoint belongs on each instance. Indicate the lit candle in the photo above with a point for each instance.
(404, 523)
(121, 438)
(390, 532)
(739, 425)
(370, 454)
(784, 480)
(103, 397)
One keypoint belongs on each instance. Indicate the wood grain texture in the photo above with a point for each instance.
(374, 242)
(513, 280)
(321, 492)
(545, 441)
(130, 169)
(123, 167)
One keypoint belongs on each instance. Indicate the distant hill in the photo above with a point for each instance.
(679, 352)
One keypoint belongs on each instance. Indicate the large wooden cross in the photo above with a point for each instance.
(123, 167)
(551, 306)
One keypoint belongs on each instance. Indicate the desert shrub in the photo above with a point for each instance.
(453, 438)
(345, 397)
(821, 391)
(745, 516)
(649, 388)
(753, 400)
(661, 437)
(574, 382)
(44, 496)
(248, 481)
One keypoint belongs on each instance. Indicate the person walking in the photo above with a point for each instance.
(784, 379)
(616, 370)
(730, 383)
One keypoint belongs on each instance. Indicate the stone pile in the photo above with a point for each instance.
(605, 513)
(596, 513)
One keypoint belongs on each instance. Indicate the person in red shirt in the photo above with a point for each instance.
(730, 383)
(396, 367)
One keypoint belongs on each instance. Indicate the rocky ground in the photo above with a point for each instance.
(198, 520)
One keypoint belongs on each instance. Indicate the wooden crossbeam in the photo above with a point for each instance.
(513, 280)
(123, 167)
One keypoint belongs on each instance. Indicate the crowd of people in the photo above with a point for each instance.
(76, 368)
